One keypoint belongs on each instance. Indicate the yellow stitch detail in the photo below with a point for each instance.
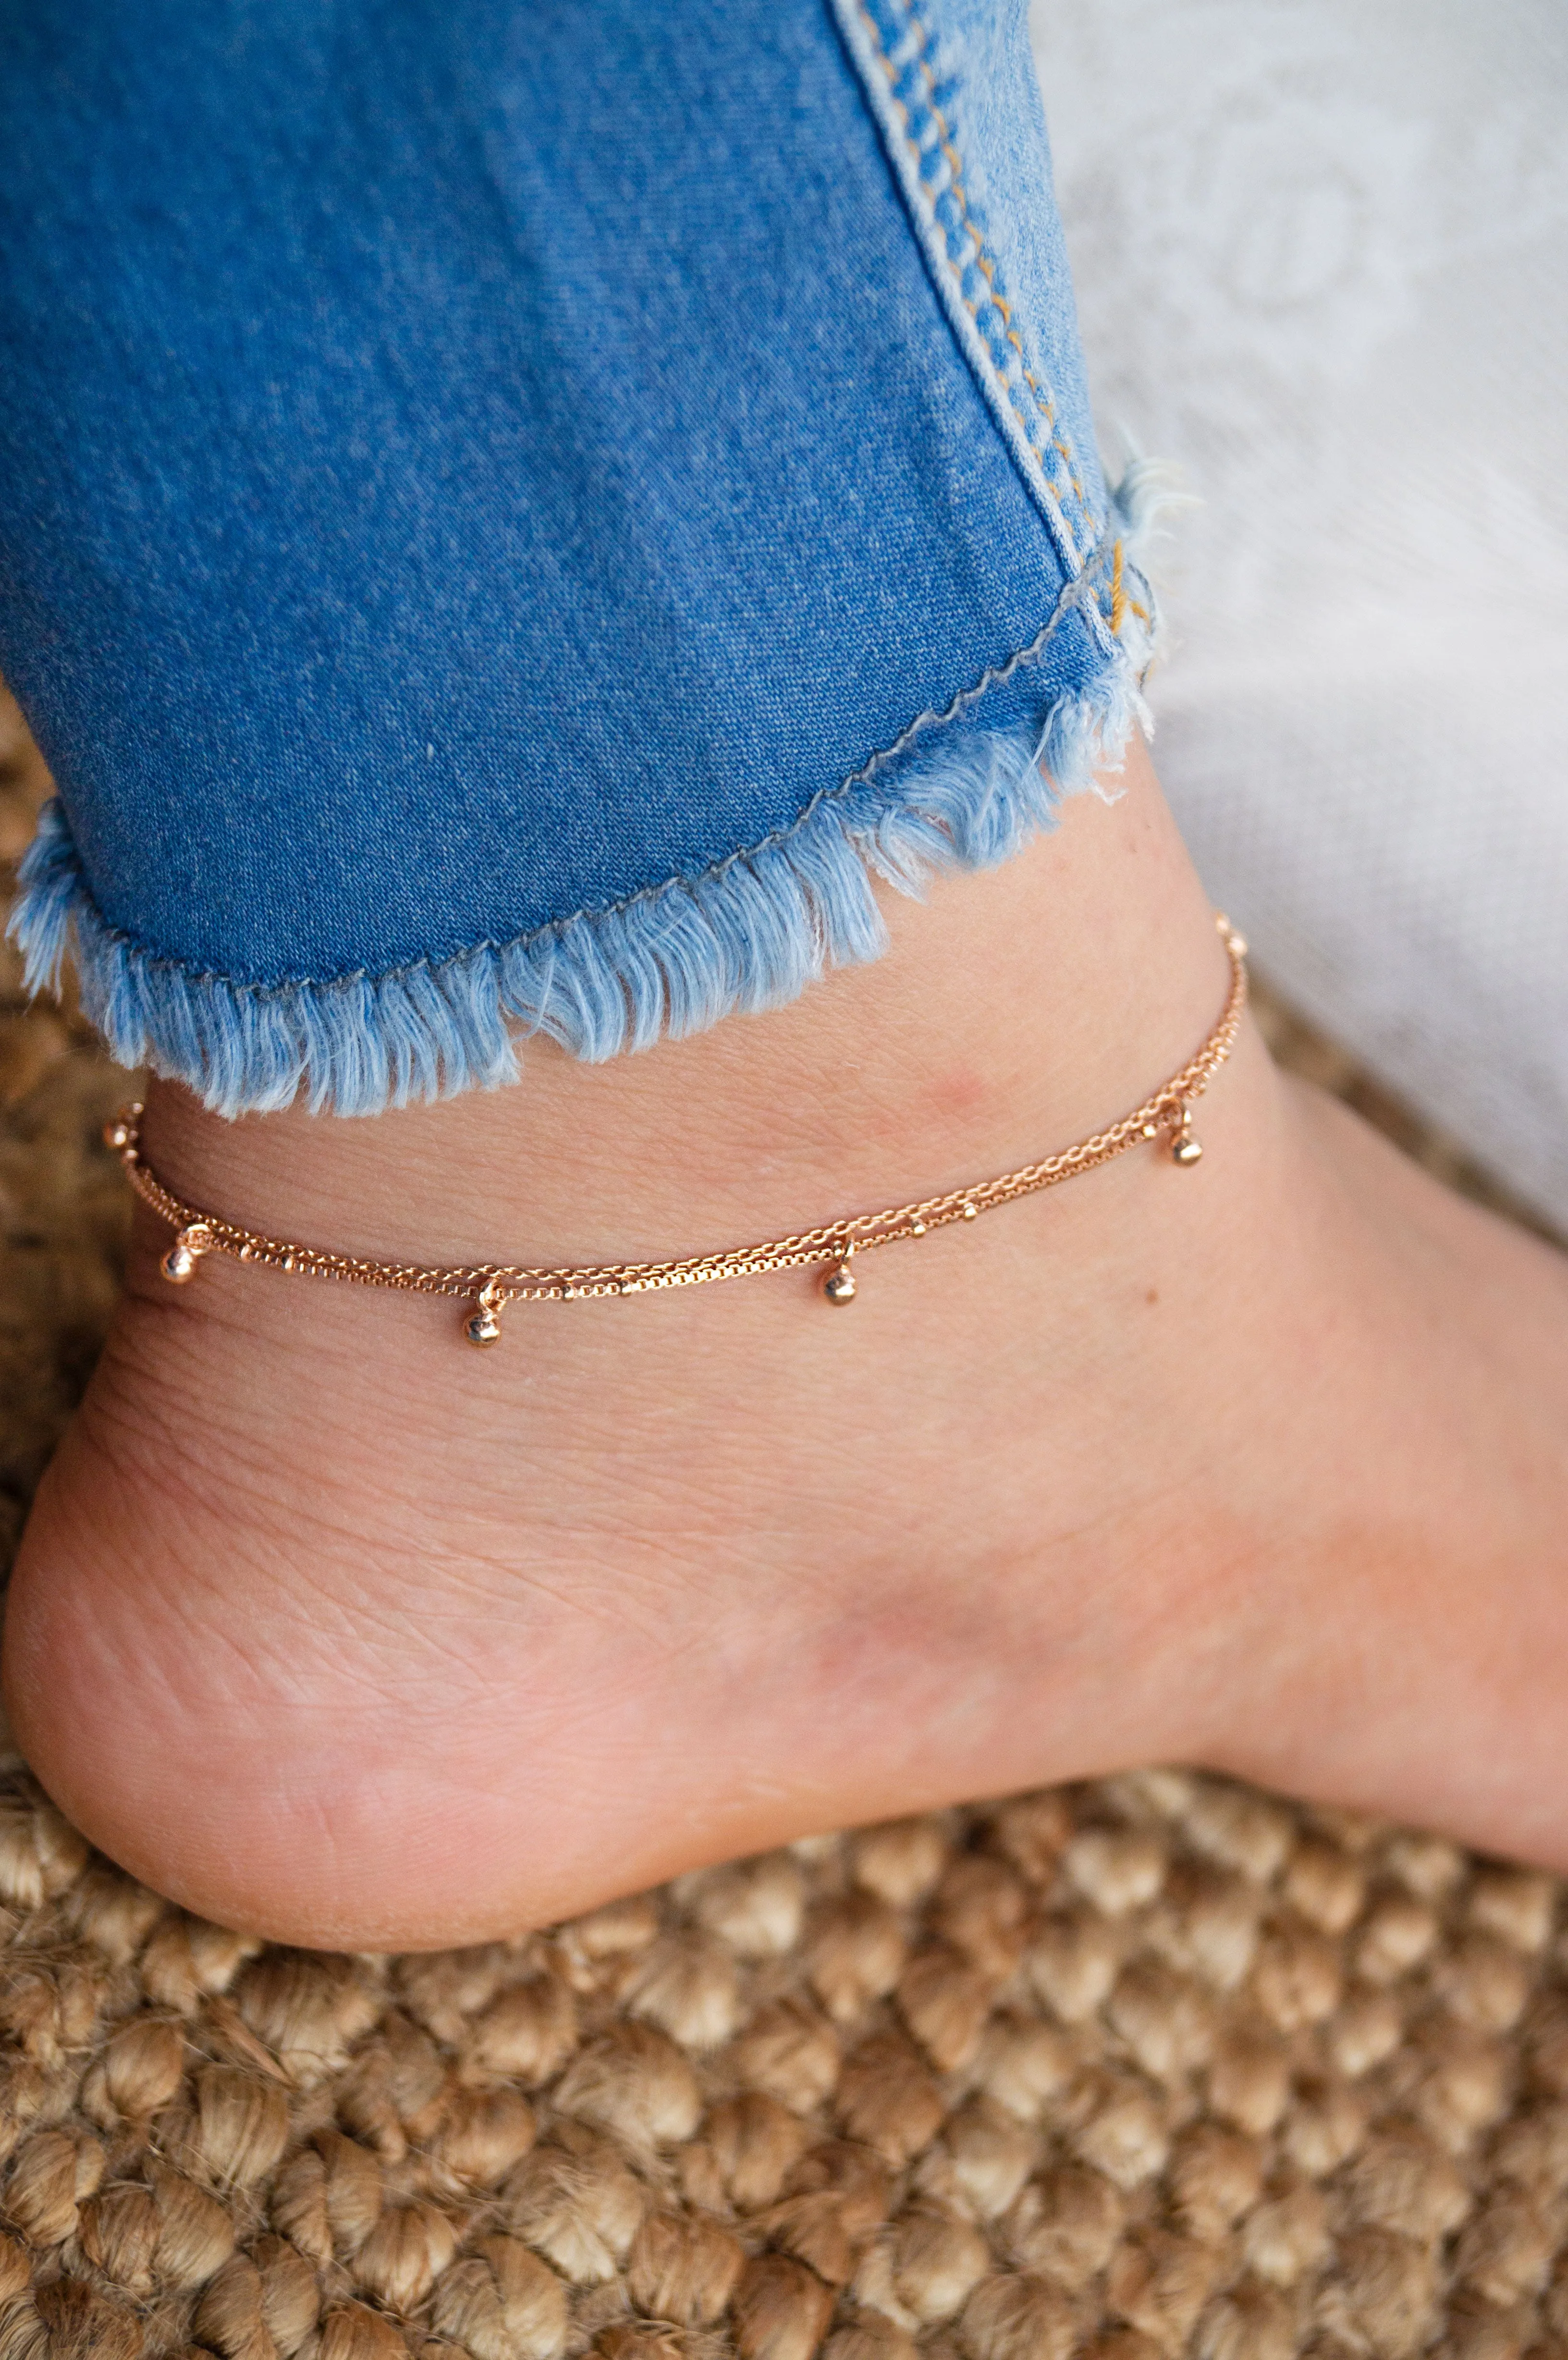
(1035, 449)
(955, 163)
(1118, 596)
(956, 167)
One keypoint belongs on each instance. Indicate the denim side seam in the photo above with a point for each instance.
(915, 107)
(745, 934)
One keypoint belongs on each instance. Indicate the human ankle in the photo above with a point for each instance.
(1021, 1005)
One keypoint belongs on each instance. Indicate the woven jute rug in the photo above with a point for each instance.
(1147, 2068)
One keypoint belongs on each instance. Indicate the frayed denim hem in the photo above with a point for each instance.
(746, 934)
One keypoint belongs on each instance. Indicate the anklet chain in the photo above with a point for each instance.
(487, 1287)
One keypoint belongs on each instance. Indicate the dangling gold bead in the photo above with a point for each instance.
(117, 1135)
(482, 1325)
(178, 1264)
(839, 1284)
(1174, 1127)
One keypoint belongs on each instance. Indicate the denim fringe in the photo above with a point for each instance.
(747, 934)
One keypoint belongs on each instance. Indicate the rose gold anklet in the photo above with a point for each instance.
(487, 1287)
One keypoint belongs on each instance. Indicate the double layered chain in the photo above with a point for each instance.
(485, 1289)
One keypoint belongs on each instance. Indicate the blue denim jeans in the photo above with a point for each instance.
(512, 516)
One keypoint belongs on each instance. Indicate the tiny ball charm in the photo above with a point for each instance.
(178, 1264)
(482, 1327)
(121, 1129)
(1184, 1148)
(839, 1284)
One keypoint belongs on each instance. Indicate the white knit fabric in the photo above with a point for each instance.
(1321, 249)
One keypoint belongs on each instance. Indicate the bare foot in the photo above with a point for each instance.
(341, 1632)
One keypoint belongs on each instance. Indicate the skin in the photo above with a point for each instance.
(342, 1633)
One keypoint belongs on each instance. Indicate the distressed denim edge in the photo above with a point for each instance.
(746, 934)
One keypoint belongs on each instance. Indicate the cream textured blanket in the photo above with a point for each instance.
(1321, 259)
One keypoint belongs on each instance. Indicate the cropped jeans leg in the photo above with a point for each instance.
(513, 519)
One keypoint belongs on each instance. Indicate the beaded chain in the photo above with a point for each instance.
(486, 1288)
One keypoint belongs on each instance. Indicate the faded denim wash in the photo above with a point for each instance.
(508, 514)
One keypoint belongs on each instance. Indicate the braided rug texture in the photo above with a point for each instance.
(1150, 2067)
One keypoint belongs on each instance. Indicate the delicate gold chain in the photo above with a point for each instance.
(489, 1287)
